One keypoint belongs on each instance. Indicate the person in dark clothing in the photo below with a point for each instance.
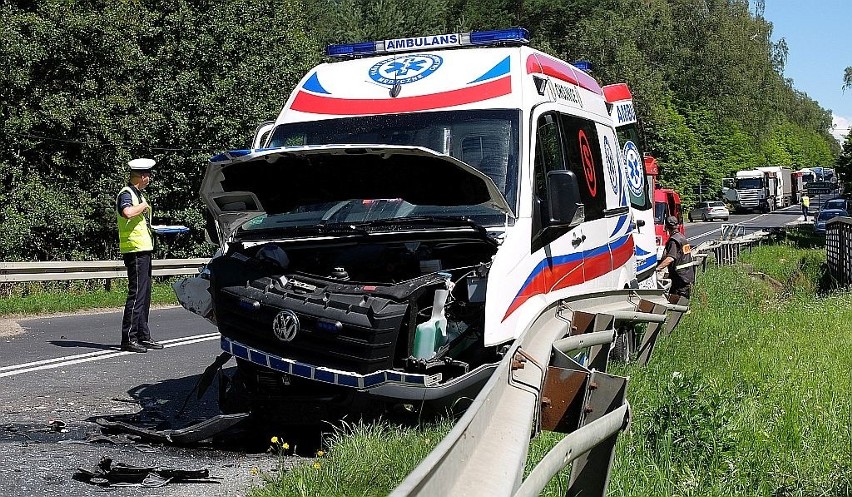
(136, 244)
(677, 258)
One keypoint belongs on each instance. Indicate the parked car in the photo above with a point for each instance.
(836, 203)
(707, 211)
(824, 216)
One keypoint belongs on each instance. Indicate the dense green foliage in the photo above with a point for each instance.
(89, 85)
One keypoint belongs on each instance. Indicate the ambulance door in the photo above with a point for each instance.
(585, 143)
(559, 248)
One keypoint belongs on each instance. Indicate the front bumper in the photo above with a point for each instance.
(385, 383)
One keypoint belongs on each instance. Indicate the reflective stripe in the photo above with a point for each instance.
(134, 234)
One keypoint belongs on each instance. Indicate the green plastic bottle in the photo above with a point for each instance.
(431, 334)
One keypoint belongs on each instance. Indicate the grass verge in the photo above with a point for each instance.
(53, 297)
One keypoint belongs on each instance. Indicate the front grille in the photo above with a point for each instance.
(349, 332)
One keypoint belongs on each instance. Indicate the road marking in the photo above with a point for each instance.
(758, 216)
(94, 356)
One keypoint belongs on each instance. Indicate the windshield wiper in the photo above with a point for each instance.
(425, 220)
(320, 229)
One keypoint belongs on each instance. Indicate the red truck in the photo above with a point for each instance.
(666, 203)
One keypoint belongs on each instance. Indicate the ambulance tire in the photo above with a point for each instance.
(621, 347)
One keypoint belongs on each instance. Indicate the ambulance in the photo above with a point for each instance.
(414, 207)
(640, 185)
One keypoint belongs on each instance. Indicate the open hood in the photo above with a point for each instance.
(241, 184)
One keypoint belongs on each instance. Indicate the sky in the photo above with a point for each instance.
(820, 48)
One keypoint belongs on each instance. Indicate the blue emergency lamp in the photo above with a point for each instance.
(499, 37)
(583, 65)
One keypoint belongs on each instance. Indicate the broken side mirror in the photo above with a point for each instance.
(640, 223)
(563, 198)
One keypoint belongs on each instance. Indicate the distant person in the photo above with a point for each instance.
(806, 203)
(677, 258)
(136, 244)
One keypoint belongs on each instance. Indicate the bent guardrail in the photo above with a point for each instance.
(12, 272)
(552, 378)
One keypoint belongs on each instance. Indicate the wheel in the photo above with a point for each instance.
(724, 219)
(704, 217)
(620, 351)
(689, 216)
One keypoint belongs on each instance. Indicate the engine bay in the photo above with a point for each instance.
(414, 305)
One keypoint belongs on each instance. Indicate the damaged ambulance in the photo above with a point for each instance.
(414, 207)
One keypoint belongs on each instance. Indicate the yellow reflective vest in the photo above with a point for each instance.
(134, 234)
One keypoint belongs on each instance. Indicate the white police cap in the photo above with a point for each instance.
(141, 164)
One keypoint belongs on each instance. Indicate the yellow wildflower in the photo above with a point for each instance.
(285, 446)
(253, 471)
(320, 453)
(317, 465)
(274, 440)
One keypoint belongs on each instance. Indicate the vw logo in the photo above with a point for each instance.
(405, 69)
(286, 325)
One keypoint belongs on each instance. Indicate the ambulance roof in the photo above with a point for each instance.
(442, 75)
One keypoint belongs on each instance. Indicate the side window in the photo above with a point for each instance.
(548, 153)
(583, 156)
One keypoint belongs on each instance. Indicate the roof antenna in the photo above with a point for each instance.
(396, 88)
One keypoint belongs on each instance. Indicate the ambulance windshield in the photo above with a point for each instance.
(485, 139)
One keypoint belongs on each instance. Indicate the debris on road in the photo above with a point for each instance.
(107, 474)
(190, 434)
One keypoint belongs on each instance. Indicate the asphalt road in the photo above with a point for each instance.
(69, 369)
(700, 231)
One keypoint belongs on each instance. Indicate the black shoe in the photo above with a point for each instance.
(133, 347)
(150, 344)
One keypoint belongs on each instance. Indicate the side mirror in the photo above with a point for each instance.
(563, 199)
(261, 133)
(640, 223)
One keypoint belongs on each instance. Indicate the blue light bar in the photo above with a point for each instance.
(352, 49)
(500, 37)
(583, 65)
(511, 36)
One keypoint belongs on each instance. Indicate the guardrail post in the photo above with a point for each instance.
(652, 331)
(590, 471)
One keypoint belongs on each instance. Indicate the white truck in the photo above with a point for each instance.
(758, 189)
(783, 186)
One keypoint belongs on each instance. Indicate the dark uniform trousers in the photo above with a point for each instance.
(134, 325)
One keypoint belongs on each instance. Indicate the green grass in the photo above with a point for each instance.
(54, 297)
(750, 396)
(363, 460)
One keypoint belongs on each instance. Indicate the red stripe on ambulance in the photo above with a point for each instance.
(317, 104)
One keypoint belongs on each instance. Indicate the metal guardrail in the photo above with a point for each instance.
(838, 249)
(11, 272)
(734, 239)
(552, 378)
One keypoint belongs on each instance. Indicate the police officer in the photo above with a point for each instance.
(677, 257)
(136, 244)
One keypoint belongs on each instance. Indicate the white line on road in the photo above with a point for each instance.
(94, 356)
